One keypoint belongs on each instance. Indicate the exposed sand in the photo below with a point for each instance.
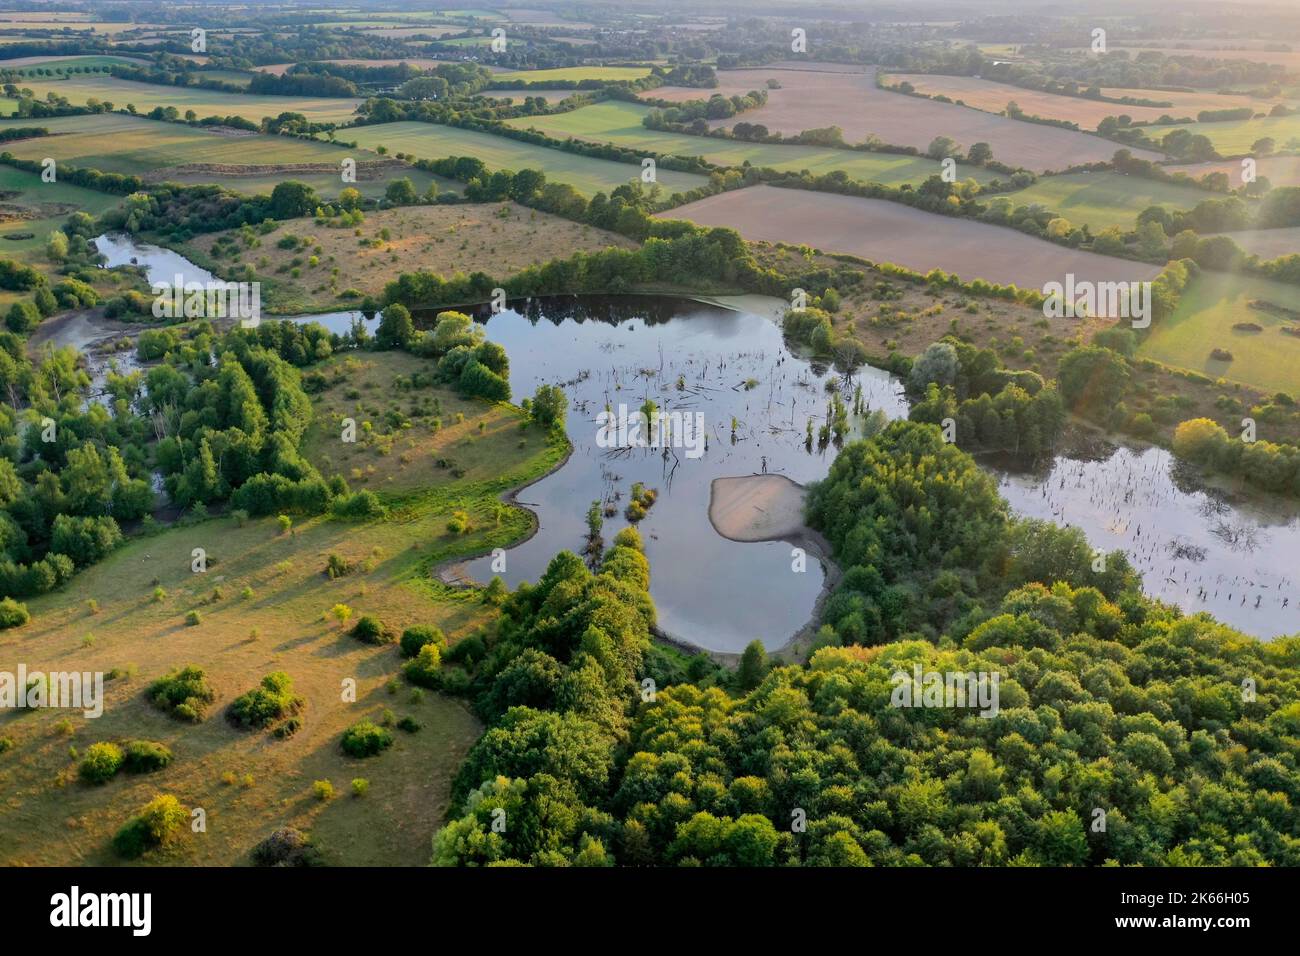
(757, 508)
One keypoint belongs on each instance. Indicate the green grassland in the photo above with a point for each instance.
(1102, 200)
(250, 783)
(586, 174)
(577, 74)
(1210, 307)
(63, 64)
(1235, 138)
(146, 96)
(620, 123)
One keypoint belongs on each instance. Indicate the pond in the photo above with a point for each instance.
(1196, 548)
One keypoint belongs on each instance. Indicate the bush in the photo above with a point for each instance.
(414, 638)
(159, 823)
(146, 756)
(424, 667)
(13, 614)
(184, 693)
(323, 789)
(365, 739)
(272, 701)
(193, 619)
(286, 847)
(360, 786)
(410, 725)
(370, 630)
(101, 763)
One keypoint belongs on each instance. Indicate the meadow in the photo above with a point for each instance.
(1237, 137)
(250, 783)
(497, 238)
(1268, 360)
(586, 174)
(575, 74)
(620, 123)
(1102, 200)
(147, 96)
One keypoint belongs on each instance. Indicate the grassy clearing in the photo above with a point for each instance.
(620, 123)
(251, 783)
(587, 175)
(1235, 138)
(146, 96)
(1102, 200)
(1268, 360)
(497, 238)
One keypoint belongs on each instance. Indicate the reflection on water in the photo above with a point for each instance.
(690, 358)
(1192, 547)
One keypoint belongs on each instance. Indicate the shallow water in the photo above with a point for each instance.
(1195, 548)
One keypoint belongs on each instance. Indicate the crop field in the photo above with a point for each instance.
(248, 782)
(1286, 58)
(25, 63)
(420, 63)
(1268, 360)
(890, 232)
(146, 96)
(499, 239)
(811, 99)
(620, 123)
(1238, 137)
(587, 175)
(1106, 199)
(993, 97)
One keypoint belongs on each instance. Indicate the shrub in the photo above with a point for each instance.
(323, 789)
(158, 823)
(193, 619)
(101, 763)
(424, 667)
(359, 786)
(414, 638)
(409, 724)
(184, 693)
(272, 701)
(146, 756)
(370, 630)
(286, 847)
(365, 739)
(13, 614)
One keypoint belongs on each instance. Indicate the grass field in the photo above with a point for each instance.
(1204, 320)
(1269, 243)
(146, 96)
(26, 64)
(49, 817)
(1102, 200)
(497, 238)
(587, 175)
(577, 74)
(1236, 138)
(620, 123)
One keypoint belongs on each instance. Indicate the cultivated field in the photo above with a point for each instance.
(1210, 307)
(993, 97)
(146, 96)
(1278, 170)
(1269, 243)
(587, 175)
(811, 99)
(620, 123)
(421, 63)
(499, 239)
(890, 232)
(1102, 200)
(250, 782)
(1237, 137)
(577, 74)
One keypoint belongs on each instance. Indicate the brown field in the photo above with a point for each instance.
(883, 231)
(497, 238)
(993, 97)
(1268, 243)
(1289, 59)
(809, 100)
(1278, 170)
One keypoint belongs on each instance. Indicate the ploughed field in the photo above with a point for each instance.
(884, 231)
